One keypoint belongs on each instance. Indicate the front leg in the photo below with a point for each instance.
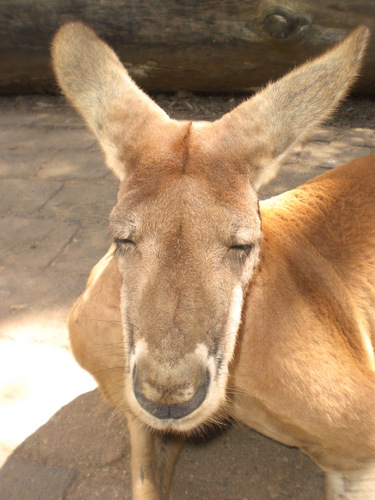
(153, 457)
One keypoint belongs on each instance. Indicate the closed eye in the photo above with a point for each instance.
(245, 248)
(124, 244)
(241, 252)
(124, 241)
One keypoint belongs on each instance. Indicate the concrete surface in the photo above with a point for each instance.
(55, 196)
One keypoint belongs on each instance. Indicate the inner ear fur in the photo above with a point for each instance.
(97, 84)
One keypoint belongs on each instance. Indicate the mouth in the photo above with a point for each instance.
(181, 410)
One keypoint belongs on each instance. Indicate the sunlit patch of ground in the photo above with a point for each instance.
(38, 375)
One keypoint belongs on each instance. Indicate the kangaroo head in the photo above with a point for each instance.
(187, 226)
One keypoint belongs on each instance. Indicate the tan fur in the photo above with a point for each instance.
(159, 325)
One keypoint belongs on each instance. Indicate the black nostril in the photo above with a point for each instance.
(174, 411)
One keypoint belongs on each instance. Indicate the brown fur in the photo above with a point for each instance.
(159, 323)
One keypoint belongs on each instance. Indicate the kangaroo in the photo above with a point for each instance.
(212, 305)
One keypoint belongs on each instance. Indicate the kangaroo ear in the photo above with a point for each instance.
(94, 80)
(258, 134)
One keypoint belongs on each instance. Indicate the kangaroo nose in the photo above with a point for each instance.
(161, 405)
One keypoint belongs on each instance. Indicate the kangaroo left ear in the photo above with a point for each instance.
(92, 77)
(256, 136)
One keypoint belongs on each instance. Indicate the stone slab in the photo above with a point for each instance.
(33, 243)
(86, 433)
(89, 244)
(98, 486)
(84, 202)
(25, 293)
(35, 481)
(76, 164)
(25, 164)
(25, 196)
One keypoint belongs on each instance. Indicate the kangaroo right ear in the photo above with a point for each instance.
(94, 80)
(259, 133)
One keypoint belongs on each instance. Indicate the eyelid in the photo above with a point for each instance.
(237, 242)
(123, 241)
(121, 231)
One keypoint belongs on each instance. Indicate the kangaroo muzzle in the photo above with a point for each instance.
(167, 392)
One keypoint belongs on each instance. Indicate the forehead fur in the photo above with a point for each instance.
(183, 162)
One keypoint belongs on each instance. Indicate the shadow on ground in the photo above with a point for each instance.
(83, 452)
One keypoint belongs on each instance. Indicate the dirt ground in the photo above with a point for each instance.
(57, 438)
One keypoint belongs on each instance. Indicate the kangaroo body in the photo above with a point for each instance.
(211, 305)
(285, 379)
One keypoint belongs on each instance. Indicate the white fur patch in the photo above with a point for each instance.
(97, 271)
(141, 350)
(233, 324)
(368, 346)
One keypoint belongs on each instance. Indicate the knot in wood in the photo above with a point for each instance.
(282, 23)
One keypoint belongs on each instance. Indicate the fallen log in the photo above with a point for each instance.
(168, 45)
